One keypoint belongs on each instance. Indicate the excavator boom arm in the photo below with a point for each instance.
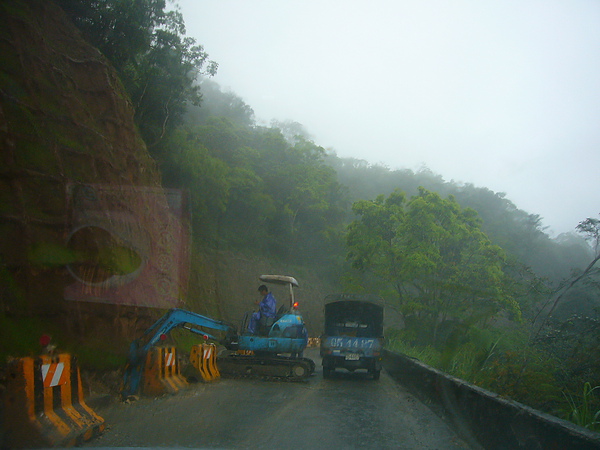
(179, 318)
(173, 319)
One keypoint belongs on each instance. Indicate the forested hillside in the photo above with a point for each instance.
(477, 287)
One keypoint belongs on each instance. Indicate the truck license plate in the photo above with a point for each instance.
(352, 357)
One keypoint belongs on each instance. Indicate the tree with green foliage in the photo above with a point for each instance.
(216, 103)
(189, 165)
(590, 229)
(309, 200)
(156, 62)
(440, 264)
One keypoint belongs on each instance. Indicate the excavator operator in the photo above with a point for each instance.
(265, 315)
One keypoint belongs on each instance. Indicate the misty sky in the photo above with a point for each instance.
(501, 94)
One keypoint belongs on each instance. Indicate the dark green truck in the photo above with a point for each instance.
(353, 336)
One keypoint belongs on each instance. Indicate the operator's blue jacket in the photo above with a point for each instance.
(267, 306)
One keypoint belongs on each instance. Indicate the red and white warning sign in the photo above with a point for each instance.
(169, 359)
(54, 374)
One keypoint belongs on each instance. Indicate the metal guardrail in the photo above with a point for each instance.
(484, 418)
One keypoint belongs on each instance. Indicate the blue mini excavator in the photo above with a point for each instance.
(274, 351)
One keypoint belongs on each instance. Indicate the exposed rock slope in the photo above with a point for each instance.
(64, 118)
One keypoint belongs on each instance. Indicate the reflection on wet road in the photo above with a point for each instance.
(347, 411)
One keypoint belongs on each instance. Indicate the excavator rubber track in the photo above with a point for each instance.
(281, 367)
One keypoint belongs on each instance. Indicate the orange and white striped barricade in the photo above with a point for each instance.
(204, 368)
(210, 358)
(193, 371)
(199, 363)
(203, 361)
(44, 403)
(162, 372)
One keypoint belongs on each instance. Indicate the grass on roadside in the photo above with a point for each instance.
(584, 410)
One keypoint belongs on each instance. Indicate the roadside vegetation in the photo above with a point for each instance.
(480, 289)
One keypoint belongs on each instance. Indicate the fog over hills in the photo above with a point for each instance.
(503, 95)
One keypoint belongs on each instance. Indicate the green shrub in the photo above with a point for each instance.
(506, 365)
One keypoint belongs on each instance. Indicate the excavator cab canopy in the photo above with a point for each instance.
(283, 280)
(279, 279)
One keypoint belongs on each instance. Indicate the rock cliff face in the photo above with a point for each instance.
(64, 120)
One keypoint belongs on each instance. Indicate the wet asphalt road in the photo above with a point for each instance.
(347, 411)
